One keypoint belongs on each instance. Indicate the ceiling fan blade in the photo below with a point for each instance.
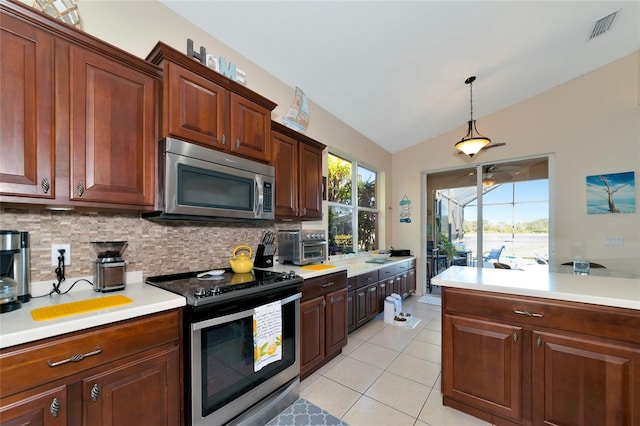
(493, 145)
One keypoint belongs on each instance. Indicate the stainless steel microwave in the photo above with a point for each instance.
(199, 183)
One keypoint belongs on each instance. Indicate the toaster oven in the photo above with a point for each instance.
(302, 246)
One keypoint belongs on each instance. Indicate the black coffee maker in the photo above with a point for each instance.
(15, 273)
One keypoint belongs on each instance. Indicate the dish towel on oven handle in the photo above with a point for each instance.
(267, 334)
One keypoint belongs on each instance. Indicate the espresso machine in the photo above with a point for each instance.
(15, 273)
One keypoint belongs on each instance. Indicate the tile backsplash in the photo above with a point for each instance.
(154, 248)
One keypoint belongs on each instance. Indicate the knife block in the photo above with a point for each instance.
(262, 259)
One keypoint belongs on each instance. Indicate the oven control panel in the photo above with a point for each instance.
(313, 235)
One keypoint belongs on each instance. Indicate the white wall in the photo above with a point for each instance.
(591, 124)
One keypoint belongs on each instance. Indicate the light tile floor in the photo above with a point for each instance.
(388, 375)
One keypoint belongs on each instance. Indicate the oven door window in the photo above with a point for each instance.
(314, 250)
(227, 358)
(207, 188)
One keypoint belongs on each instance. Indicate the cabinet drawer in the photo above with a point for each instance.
(405, 266)
(596, 320)
(387, 272)
(366, 279)
(318, 286)
(27, 366)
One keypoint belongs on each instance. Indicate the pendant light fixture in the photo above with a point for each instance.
(473, 141)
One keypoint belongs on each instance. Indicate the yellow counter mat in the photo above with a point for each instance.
(317, 267)
(79, 307)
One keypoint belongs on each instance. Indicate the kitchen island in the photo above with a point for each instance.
(540, 348)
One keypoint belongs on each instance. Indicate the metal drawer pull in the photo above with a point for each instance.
(372, 289)
(95, 392)
(515, 337)
(224, 139)
(528, 314)
(54, 409)
(539, 342)
(237, 143)
(44, 184)
(329, 284)
(75, 358)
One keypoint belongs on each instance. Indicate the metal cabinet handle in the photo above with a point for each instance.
(331, 300)
(224, 139)
(80, 189)
(329, 284)
(95, 392)
(237, 143)
(372, 289)
(515, 337)
(75, 358)
(54, 408)
(44, 184)
(528, 314)
(539, 342)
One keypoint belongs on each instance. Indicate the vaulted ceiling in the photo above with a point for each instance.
(395, 70)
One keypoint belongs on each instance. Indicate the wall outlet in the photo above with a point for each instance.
(613, 241)
(55, 254)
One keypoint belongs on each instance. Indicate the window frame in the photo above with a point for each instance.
(354, 207)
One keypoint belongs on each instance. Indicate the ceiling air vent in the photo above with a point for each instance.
(603, 25)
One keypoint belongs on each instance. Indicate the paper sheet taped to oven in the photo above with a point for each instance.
(267, 334)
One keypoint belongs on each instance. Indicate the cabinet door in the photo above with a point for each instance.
(250, 129)
(36, 407)
(27, 110)
(143, 392)
(113, 138)
(411, 281)
(372, 301)
(337, 317)
(310, 199)
(578, 381)
(312, 333)
(285, 162)
(195, 108)
(482, 365)
(361, 306)
(351, 311)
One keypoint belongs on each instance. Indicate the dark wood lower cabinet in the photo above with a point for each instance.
(135, 379)
(517, 360)
(372, 288)
(324, 320)
(486, 364)
(582, 381)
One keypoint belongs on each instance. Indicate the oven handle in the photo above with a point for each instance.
(237, 315)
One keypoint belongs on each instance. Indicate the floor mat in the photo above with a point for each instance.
(304, 413)
(431, 300)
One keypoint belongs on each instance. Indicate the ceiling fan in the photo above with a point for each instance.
(492, 174)
(491, 145)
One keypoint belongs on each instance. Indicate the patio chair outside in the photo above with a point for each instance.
(494, 255)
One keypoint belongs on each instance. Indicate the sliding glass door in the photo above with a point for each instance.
(490, 215)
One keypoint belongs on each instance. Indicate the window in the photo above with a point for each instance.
(352, 201)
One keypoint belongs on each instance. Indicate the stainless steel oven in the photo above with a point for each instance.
(302, 246)
(223, 381)
(223, 384)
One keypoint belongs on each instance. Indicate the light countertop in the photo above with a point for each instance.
(19, 327)
(354, 266)
(599, 290)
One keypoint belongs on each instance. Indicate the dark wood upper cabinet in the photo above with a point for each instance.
(113, 134)
(298, 163)
(78, 122)
(27, 163)
(202, 106)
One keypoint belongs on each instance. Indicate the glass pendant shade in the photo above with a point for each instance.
(473, 141)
